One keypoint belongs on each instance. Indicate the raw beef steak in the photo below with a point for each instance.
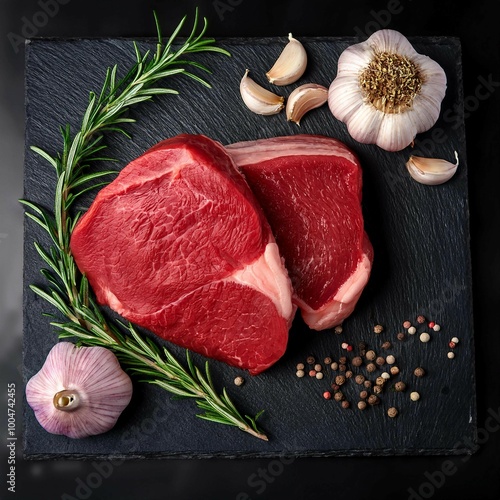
(178, 244)
(310, 189)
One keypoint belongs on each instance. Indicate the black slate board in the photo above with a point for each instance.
(422, 266)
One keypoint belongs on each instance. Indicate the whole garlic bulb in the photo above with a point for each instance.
(386, 92)
(79, 391)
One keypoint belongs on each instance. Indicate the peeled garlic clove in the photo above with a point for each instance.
(431, 171)
(79, 391)
(303, 99)
(258, 99)
(290, 65)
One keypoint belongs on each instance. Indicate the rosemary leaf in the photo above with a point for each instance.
(45, 155)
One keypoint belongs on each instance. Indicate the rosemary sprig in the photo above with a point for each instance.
(68, 291)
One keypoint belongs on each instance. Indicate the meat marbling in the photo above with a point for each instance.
(178, 244)
(310, 190)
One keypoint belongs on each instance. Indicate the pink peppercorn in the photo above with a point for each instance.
(432, 324)
(406, 324)
(420, 319)
(312, 373)
(349, 348)
(452, 345)
(327, 395)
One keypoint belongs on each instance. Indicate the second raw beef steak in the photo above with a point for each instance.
(310, 189)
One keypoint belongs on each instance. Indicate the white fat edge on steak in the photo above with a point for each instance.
(344, 301)
(269, 276)
(252, 152)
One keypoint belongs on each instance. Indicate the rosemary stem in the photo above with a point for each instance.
(259, 435)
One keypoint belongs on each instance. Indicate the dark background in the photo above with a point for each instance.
(475, 477)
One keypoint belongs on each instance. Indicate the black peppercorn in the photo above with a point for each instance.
(373, 400)
(346, 404)
(338, 396)
(371, 367)
(394, 370)
(357, 361)
(392, 412)
(310, 360)
(419, 372)
(340, 379)
(370, 355)
(400, 386)
(386, 345)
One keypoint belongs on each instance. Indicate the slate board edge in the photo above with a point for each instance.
(238, 456)
(245, 40)
(470, 281)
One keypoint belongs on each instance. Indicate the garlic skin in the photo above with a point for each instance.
(303, 99)
(431, 171)
(386, 92)
(79, 391)
(290, 65)
(258, 99)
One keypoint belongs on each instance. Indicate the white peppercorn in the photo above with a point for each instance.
(425, 337)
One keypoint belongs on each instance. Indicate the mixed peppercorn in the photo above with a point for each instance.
(377, 374)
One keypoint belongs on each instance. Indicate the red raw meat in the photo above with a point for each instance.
(310, 189)
(178, 244)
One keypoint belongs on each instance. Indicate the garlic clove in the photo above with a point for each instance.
(79, 391)
(290, 65)
(431, 171)
(303, 99)
(258, 99)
